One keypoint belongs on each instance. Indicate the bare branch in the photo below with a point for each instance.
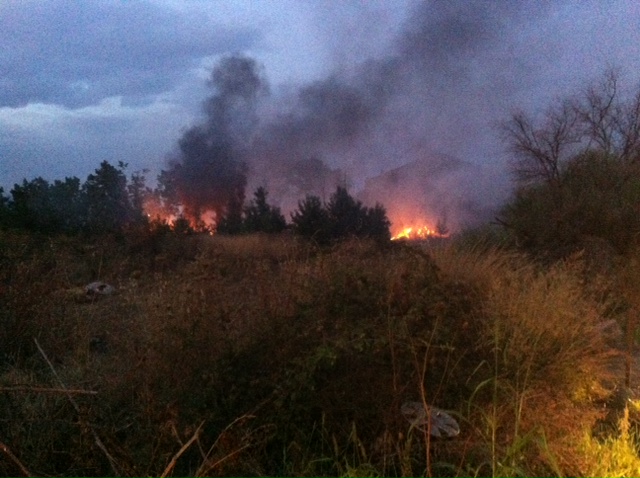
(597, 120)
(540, 150)
(169, 468)
(5, 449)
(628, 127)
(206, 466)
(97, 439)
(47, 390)
(597, 112)
(610, 123)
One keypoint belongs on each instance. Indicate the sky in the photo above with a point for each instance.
(365, 86)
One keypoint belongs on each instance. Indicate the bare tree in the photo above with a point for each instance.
(598, 120)
(610, 123)
(540, 150)
(597, 112)
(628, 128)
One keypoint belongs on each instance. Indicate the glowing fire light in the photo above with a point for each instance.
(415, 233)
(176, 217)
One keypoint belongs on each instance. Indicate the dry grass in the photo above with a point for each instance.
(551, 360)
(267, 356)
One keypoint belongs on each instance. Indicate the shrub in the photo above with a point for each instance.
(542, 336)
(311, 220)
(257, 216)
(596, 197)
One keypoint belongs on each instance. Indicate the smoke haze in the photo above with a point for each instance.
(358, 88)
(430, 103)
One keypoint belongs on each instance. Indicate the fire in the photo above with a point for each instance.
(415, 233)
(155, 211)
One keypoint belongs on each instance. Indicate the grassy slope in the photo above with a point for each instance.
(277, 358)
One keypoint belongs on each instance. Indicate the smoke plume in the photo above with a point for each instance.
(422, 111)
(210, 170)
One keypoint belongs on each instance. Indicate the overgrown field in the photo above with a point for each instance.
(258, 355)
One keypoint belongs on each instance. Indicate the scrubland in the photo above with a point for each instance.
(267, 355)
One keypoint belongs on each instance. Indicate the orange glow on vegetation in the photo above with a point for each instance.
(156, 212)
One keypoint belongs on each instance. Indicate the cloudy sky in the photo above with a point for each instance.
(121, 80)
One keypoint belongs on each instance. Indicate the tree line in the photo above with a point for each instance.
(109, 201)
(576, 168)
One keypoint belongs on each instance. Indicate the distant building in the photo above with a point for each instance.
(435, 188)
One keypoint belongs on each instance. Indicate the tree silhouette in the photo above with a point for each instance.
(578, 173)
(342, 217)
(346, 215)
(311, 220)
(5, 212)
(259, 216)
(232, 221)
(108, 204)
(376, 224)
(596, 197)
(38, 205)
(138, 193)
(596, 120)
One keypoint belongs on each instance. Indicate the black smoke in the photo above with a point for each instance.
(449, 75)
(437, 91)
(210, 169)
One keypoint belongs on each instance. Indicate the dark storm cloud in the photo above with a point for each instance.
(77, 53)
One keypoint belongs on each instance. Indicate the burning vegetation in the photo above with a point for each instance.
(415, 233)
(208, 175)
(365, 126)
(216, 160)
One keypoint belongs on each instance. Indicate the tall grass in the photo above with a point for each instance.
(268, 356)
(549, 357)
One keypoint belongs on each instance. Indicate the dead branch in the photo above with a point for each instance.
(97, 439)
(598, 112)
(184, 448)
(204, 471)
(205, 467)
(540, 150)
(5, 449)
(47, 390)
(599, 119)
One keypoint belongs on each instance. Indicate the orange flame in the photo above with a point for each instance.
(415, 233)
(176, 217)
(155, 211)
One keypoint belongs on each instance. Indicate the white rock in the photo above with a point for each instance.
(99, 288)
